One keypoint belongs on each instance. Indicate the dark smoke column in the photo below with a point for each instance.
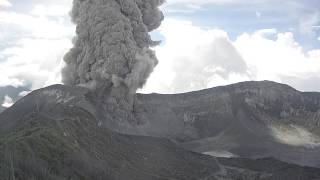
(111, 53)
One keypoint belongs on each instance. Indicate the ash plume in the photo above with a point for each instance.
(111, 53)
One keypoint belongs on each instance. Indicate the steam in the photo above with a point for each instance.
(111, 53)
(295, 135)
(8, 102)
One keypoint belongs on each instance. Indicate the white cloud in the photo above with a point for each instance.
(279, 59)
(34, 61)
(5, 3)
(54, 10)
(194, 58)
(48, 3)
(266, 33)
(7, 102)
(308, 24)
(39, 27)
(34, 57)
(24, 93)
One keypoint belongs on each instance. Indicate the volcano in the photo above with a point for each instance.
(60, 132)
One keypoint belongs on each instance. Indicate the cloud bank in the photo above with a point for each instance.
(206, 59)
(33, 44)
(210, 59)
(5, 3)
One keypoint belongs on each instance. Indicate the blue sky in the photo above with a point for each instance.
(206, 43)
(236, 18)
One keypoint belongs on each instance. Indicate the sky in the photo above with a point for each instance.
(205, 43)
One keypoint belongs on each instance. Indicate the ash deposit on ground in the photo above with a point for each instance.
(96, 126)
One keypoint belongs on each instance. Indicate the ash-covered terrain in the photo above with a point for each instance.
(55, 133)
(96, 127)
(250, 119)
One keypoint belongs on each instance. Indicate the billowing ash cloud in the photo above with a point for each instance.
(111, 52)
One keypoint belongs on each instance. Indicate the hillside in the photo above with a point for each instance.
(249, 119)
(53, 134)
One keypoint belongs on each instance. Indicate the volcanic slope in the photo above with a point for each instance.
(53, 133)
(248, 119)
